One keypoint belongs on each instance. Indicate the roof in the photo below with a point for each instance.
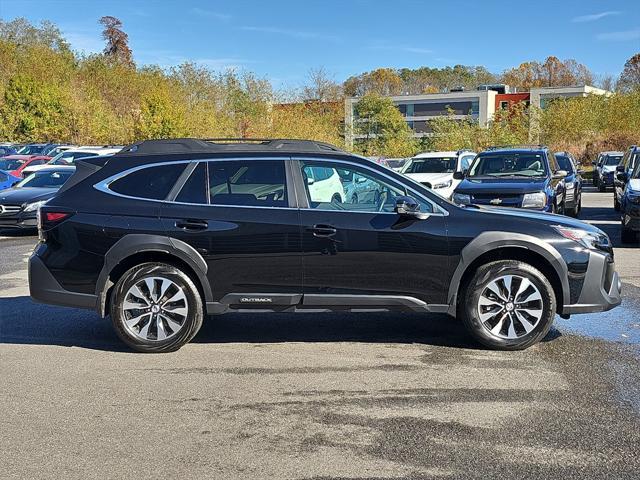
(55, 168)
(221, 145)
(436, 154)
(612, 152)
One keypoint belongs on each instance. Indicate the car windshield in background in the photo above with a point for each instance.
(67, 158)
(45, 179)
(508, 165)
(8, 164)
(432, 165)
(31, 150)
(565, 164)
(611, 160)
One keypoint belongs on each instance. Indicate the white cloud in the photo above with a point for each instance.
(594, 16)
(621, 36)
(303, 34)
(401, 48)
(169, 58)
(208, 13)
(84, 42)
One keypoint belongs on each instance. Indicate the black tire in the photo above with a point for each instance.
(602, 188)
(336, 198)
(354, 198)
(616, 203)
(191, 324)
(628, 236)
(470, 297)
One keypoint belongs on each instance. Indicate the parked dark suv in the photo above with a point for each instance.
(168, 231)
(626, 195)
(521, 177)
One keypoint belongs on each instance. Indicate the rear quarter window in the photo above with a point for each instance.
(153, 183)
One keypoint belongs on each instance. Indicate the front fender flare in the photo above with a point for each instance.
(488, 241)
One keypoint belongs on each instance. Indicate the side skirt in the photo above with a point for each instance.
(269, 302)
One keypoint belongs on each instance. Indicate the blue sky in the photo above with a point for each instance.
(282, 40)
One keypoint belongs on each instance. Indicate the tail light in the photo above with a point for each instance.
(48, 219)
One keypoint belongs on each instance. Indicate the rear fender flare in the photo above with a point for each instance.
(138, 243)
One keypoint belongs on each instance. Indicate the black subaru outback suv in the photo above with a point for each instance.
(168, 231)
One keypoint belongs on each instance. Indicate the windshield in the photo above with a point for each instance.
(9, 164)
(45, 179)
(67, 158)
(432, 165)
(564, 163)
(508, 165)
(31, 150)
(611, 160)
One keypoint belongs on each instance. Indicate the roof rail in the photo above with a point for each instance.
(192, 145)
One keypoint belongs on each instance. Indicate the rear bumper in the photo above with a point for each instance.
(601, 290)
(44, 288)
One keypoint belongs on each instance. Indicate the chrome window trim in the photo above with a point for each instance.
(103, 186)
(441, 210)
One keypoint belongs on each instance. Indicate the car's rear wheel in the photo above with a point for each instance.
(508, 305)
(155, 307)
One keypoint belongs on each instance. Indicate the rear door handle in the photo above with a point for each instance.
(323, 230)
(191, 224)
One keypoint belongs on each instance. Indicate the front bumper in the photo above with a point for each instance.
(19, 220)
(601, 289)
(44, 288)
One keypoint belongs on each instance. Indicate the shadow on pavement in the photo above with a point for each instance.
(25, 322)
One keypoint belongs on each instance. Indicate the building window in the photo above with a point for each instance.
(504, 105)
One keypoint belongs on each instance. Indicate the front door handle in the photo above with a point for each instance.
(322, 231)
(191, 225)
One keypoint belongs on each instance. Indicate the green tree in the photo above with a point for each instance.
(382, 128)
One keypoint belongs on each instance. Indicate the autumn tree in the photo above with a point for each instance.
(630, 76)
(553, 72)
(382, 81)
(117, 47)
(321, 87)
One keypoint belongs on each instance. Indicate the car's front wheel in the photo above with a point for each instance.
(508, 305)
(155, 307)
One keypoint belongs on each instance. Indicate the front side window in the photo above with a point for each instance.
(347, 187)
(508, 165)
(152, 183)
(465, 162)
(260, 183)
(564, 163)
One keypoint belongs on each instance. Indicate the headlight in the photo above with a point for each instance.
(570, 185)
(587, 239)
(446, 184)
(461, 198)
(534, 200)
(30, 207)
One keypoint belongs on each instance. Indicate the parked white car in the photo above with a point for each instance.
(435, 169)
(324, 184)
(69, 157)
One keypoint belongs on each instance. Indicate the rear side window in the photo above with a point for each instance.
(195, 188)
(248, 183)
(153, 182)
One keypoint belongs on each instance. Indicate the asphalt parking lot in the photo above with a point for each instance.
(318, 396)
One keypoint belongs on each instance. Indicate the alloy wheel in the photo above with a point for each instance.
(154, 309)
(510, 307)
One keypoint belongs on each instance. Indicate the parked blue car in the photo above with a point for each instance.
(521, 177)
(7, 180)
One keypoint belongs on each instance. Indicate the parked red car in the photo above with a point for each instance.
(14, 164)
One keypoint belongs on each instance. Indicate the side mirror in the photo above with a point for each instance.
(310, 181)
(620, 168)
(459, 175)
(409, 207)
(559, 174)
